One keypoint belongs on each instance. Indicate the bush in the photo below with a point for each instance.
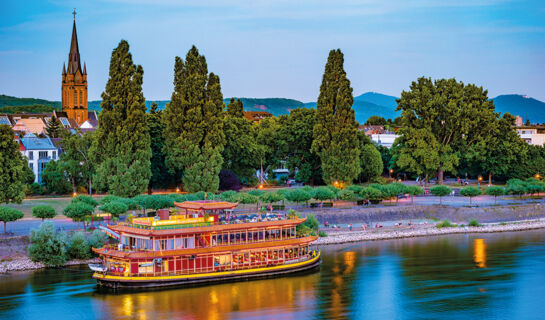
(36, 189)
(372, 194)
(256, 192)
(154, 202)
(445, 224)
(229, 196)
(79, 247)
(46, 246)
(322, 234)
(115, 208)
(396, 189)
(271, 197)
(440, 191)
(109, 198)
(77, 211)
(356, 189)
(323, 193)
(177, 197)
(246, 198)
(97, 239)
(229, 180)
(9, 214)
(470, 192)
(495, 191)
(308, 189)
(44, 212)
(298, 195)
(414, 191)
(346, 195)
(474, 223)
(312, 222)
(85, 199)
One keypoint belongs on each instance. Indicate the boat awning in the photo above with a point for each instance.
(109, 232)
(205, 205)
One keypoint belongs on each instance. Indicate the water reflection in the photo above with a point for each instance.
(479, 252)
(452, 277)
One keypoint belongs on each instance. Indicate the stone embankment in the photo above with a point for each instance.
(337, 237)
(23, 263)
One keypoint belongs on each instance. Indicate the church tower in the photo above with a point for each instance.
(74, 83)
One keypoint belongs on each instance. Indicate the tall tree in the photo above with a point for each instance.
(235, 108)
(370, 159)
(241, 152)
(270, 143)
(456, 115)
(335, 131)
(296, 136)
(194, 138)
(54, 128)
(75, 161)
(159, 171)
(121, 148)
(13, 173)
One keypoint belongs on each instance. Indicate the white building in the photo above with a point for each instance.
(531, 136)
(39, 151)
(384, 139)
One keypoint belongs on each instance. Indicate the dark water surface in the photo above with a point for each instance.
(489, 276)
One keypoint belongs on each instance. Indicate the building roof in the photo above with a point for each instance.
(205, 205)
(32, 142)
(74, 63)
(30, 125)
(256, 116)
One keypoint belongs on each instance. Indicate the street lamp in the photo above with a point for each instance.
(391, 171)
(480, 179)
(538, 176)
(177, 189)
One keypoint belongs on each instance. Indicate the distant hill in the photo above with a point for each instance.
(365, 105)
(519, 105)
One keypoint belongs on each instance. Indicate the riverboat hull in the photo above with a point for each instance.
(121, 282)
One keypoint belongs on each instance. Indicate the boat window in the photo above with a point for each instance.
(171, 244)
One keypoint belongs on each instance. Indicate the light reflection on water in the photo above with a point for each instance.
(462, 276)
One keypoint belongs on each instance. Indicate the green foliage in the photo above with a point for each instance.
(194, 138)
(445, 224)
(109, 198)
(322, 234)
(79, 248)
(441, 119)
(44, 212)
(414, 190)
(54, 178)
(121, 146)
(346, 195)
(75, 162)
(294, 139)
(14, 101)
(235, 108)
(241, 153)
(9, 214)
(440, 191)
(115, 208)
(246, 198)
(97, 239)
(516, 187)
(323, 193)
(78, 210)
(13, 172)
(372, 194)
(312, 222)
(36, 108)
(229, 196)
(370, 160)
(310, 226)
(160, 176)
(256, 192)
(397, 189)
(495, 191)
(154, 202)
(474, 223)
(470, 192)
(46, 246)
(54, 128)
(36, 189)
(356, 189)
(376, 121)
(271, 197)
(298, 195)
(335, 132)
(85, 199)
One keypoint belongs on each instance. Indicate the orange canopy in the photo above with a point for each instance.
(205, 205)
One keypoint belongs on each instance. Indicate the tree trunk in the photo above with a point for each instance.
(495, 201)
(440, 176)
(5, 227)
(426, 181)
(440, 200)
(90, 188)
(470, 201)
(489, 179)
(73, 185)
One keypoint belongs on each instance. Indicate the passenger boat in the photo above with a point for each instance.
(203, 242)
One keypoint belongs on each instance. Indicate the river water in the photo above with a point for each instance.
(488, 276)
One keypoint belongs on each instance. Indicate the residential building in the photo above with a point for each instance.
(533, 135)
(384, 139)
(256, 116)
(30, 125)
(39, 151)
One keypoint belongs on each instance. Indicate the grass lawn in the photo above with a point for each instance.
(26, 206)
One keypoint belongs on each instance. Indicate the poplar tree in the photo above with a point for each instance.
(13, 173)
(335, 132)
(241, 153)
(121, 148)
(194, 138)
(159, 171)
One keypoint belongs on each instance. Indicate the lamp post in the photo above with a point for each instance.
(390, 174)
(480, 179)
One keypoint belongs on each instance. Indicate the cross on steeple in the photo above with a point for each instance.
(74, 13)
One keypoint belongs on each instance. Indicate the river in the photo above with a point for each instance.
(477, 276)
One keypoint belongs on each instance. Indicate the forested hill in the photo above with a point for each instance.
(365, 105)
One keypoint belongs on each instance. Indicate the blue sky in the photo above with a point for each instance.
(279, 48)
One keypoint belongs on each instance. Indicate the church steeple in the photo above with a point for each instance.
(73, 57)
(74, 83)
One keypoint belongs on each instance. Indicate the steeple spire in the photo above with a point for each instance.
(63, 68)
(73, 56)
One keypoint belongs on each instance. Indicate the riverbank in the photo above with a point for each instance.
(23, 263)
(344, 236)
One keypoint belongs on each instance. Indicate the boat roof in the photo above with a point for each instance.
(205, 229)
(206, 205)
